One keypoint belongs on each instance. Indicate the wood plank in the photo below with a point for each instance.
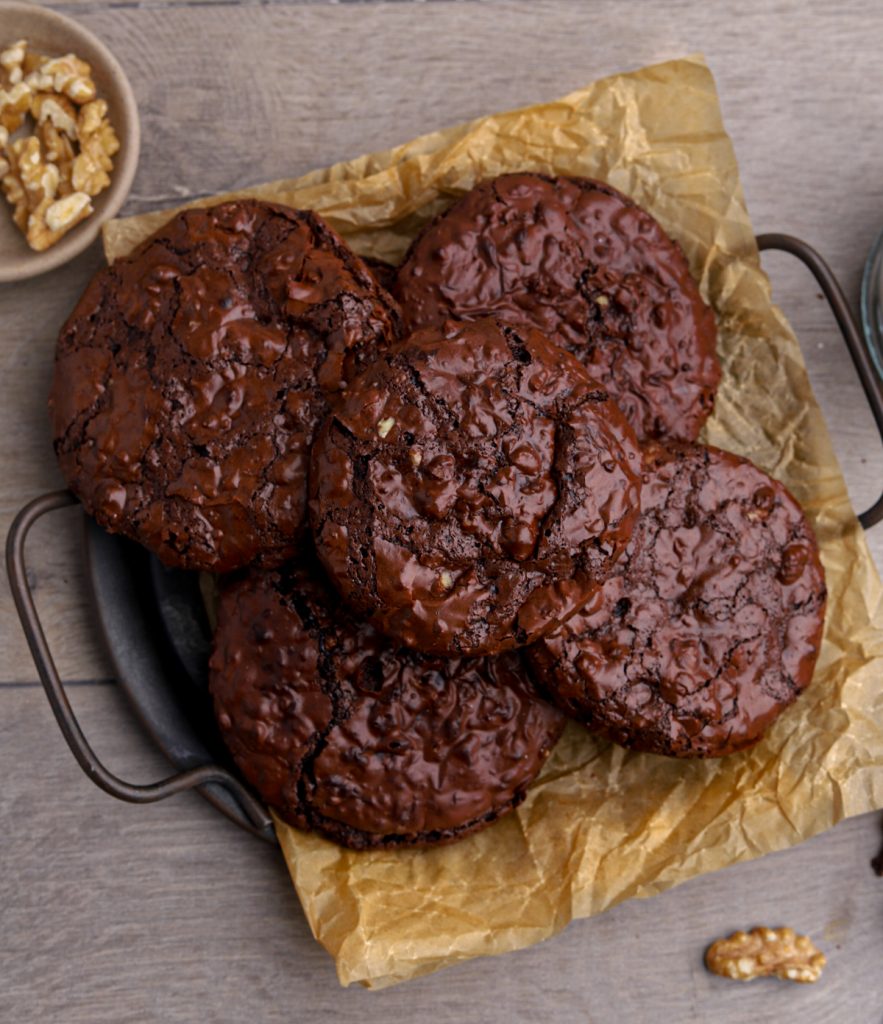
(77, 8)
(114, 913)
(30, 315)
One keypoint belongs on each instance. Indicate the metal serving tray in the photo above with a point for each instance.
(156, 632)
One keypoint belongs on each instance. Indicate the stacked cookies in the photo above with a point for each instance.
(448, 511)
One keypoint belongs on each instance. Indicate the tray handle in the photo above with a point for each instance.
(16, 566)
(852, 335)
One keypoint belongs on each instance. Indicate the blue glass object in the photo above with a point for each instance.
(872, 304)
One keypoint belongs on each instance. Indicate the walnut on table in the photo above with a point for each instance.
(50, 176)
(763, 952)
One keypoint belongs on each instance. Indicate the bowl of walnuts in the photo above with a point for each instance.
(69, 139)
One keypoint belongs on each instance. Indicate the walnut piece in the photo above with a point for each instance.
(15, 194)
(15, 102)
(64, 213)
(30, 182)
(32, 186)
(58, 110)
(763, 952)
(12, 62)
(98, 144)
(68, 76)
(39, 179)
(59, 150)
(50, 176)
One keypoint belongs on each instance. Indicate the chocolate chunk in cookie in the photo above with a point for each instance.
(472, 488)
(372, 746)
(192, 376)
(712, 624)
(589, 268)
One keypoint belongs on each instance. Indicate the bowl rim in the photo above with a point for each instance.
(82, 236)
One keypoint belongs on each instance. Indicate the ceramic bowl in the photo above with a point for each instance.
(53, 34)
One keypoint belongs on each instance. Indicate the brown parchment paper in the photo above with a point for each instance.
(603, 825)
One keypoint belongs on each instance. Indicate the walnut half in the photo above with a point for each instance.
(763, 952)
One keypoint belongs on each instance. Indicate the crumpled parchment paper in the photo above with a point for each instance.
(601, 824)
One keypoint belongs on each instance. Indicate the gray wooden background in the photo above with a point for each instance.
(112, 913)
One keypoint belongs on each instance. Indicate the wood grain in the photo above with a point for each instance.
(168, 913)
(30, 315)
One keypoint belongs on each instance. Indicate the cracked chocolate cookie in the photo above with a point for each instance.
(472, 488)
(192, 376)
(372, 746)
(589, 268)
(711, 625)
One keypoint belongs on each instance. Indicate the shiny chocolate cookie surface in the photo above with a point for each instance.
(472, 488)
(592, 270)
(713, 622)
(373, 746)
(191, 378)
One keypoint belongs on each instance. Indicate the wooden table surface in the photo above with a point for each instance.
(114, 913)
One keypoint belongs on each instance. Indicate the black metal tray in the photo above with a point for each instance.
(155, 629)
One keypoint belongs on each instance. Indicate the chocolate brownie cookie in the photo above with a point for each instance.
(589, 268)
(711, 626)
(191, 378)
(373, 746)
(472, 488)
